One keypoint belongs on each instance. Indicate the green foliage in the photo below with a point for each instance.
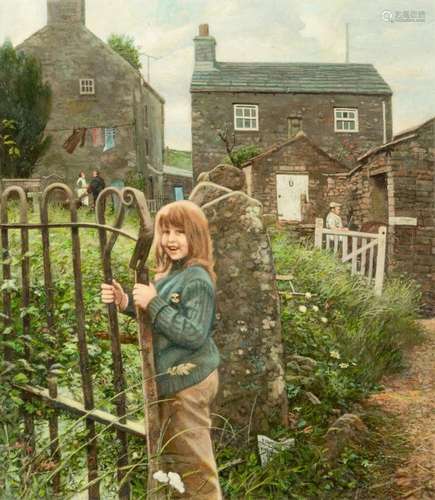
(178, 158)
(8, 146)
(124, 45)
(242, 154)
(136, 180)
(360, 338)
(25, 104)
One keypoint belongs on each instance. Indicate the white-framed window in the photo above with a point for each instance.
(87, 86)
(245, 117)
(345, 120)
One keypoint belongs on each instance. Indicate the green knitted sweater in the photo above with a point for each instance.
(182, 316)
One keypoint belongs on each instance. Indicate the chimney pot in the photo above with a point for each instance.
(203, 30)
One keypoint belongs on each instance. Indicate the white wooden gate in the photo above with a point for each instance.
(289, 188)
(365, 251)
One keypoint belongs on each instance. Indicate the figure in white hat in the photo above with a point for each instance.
(334, 222)
(333, 219)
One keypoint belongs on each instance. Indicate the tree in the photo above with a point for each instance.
(25, 105)
(126, 48)
(236, 155)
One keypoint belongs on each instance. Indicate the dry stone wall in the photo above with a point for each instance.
(248, 329)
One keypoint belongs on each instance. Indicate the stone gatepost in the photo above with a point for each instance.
(248, 331)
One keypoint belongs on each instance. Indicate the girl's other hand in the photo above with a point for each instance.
(142, 294)
(114, 294)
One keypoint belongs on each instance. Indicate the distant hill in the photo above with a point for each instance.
(178, 158)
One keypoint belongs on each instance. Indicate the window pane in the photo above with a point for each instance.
(239, 112)
(339, 125)
(345, 114)
(338, 114)
(254, 123)
(351, 114)
(247, 123)
(346, 125)
(351, 125)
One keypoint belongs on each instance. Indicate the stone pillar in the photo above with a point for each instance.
(248, 333)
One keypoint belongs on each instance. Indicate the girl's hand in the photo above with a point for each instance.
(142, 294)
(114, 294)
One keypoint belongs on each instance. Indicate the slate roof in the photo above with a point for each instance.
(315, 78)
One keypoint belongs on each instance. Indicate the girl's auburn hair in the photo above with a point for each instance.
(190, 219)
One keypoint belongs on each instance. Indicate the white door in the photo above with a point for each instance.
(289, 188)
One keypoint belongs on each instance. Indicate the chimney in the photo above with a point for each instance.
(205, 50)
(66, 11)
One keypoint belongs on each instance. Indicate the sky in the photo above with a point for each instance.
(261, 31)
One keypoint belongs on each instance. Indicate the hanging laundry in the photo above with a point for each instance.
(97, 137)
(109, 138)
(73, 140)
(83, 137)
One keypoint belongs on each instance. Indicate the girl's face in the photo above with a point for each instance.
(174, 243)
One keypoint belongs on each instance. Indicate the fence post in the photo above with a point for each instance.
(318, 233)
(380, 260)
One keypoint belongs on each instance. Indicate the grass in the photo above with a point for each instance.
(339, 340)
(178, 158)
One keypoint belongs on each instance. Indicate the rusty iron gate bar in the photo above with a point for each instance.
(122, 426)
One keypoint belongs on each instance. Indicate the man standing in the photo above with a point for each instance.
(334, 222)
(96, 185)
(333, 219)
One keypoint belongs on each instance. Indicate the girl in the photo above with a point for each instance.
(181, 306)
(82, 189)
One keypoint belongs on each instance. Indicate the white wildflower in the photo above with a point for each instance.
(315, 309)
(176, 482)
(308, 295)
(344, 365)
(302, 309)
(183, 369)
(161, 477)
(324, 320)
(334, 354)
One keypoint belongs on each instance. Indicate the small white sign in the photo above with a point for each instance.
(268, 447)
(403, 221)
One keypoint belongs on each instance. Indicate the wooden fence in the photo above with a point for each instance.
(118, 422)
(365, 252)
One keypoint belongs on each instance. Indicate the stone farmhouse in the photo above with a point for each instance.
(117, 116)
(342, 109)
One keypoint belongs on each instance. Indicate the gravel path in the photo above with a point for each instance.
(411, 396)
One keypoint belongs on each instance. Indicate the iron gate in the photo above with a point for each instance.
(108, 234)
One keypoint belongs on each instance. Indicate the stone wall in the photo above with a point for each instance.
(70, 52)
(406, 174)
(172, 181)
(248, 329)
(302, 157)
(211, 110)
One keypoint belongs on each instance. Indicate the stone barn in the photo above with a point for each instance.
(394, 184)
(116, 116)
(291, 179)
(177, 183)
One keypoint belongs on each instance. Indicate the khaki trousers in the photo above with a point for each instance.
(186, 443)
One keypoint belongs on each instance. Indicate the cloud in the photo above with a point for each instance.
(255, 30)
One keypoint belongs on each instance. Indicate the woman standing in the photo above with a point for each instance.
(82, 189)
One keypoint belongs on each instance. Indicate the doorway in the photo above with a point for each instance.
(289, 189)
